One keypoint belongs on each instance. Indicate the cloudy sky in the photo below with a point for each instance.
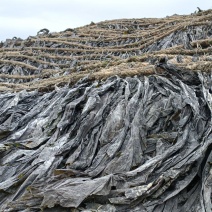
(22, 18)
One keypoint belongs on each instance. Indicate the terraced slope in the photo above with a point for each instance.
(57, 58)
(112, 116)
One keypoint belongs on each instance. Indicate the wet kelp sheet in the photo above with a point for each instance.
(113, 116)
(133, 144)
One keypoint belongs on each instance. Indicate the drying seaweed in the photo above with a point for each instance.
(112, 116)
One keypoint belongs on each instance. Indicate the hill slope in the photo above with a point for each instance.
(112, 116)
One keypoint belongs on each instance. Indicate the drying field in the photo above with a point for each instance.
(112, 116)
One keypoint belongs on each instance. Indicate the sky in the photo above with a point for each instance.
(23, 18)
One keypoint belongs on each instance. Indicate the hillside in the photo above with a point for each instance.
(112, 116)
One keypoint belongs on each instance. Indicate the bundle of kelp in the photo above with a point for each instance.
(113, 116)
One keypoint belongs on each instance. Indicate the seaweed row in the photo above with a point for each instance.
(49, 59)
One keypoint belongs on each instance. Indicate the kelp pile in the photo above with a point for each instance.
(112, 116)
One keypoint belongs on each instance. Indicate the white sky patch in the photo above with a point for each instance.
(22, 18)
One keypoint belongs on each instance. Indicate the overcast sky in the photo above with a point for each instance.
(22, 18)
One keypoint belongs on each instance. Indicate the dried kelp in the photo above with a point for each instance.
(126, 127)
(49, 59)
(138, 143)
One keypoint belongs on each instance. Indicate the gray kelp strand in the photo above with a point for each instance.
(139, 143)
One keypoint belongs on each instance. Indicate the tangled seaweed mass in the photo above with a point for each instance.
(112, 116)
